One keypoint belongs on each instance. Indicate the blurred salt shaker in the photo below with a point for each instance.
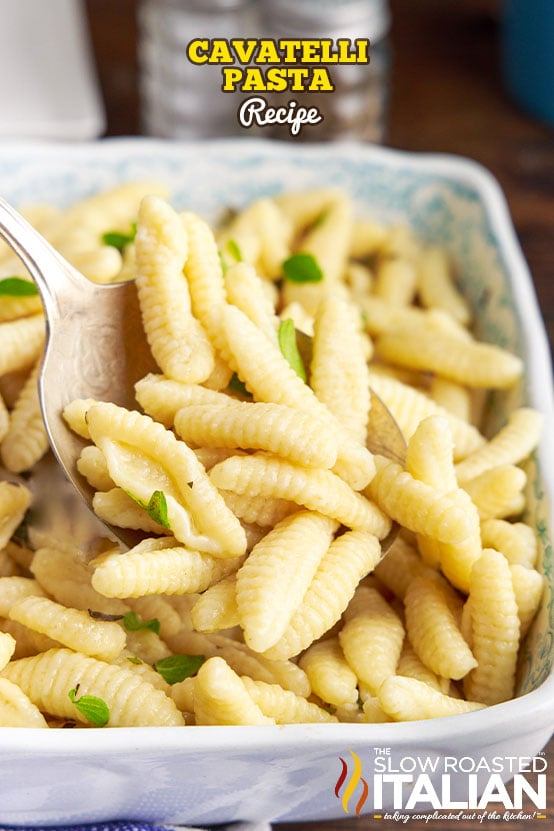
(178, 98)
(357, 107)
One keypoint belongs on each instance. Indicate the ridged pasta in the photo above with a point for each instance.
(330, 676)
(47, 679)
(178, 342)
(216, 608)
(395, 281)
(277, 428)
(371, 637)
(349, 557)
(495, 630)
(203, 271)
(276, 575)
(158, 566)
(143, 457)
(436, 286)
(318, 490)
(516, 540)
(529, 588)
(14, 501)
(429, 454)
(475, 364)
(92, 465)
(284, 706)
(21, 343)
(410, 665)
(260, 510)
(14, 588)
(433, 631)
(245, 290)
(220, 697)
(71, 627)
(7, 648)
(16, 710)
(513, 443)
(408, 699)
(270, 230)
(339, 373)
(161, 397)
(495, 491)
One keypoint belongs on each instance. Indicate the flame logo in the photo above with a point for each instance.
(351, 784)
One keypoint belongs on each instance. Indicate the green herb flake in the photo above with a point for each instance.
(302, 268)
(176, 668)
(118, 239)
(234, 250)
(17, 287)
(289, 347)
(133, 659)
(157, 509)
(94, 709)
(134, 623)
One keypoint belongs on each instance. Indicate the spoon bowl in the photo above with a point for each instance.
(96, 348)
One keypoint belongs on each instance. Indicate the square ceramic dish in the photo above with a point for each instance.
(204, 775)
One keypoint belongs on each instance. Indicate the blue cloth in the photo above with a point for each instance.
(129, 825)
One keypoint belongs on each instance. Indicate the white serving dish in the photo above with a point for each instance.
(204, 775)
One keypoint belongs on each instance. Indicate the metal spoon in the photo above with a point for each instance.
(96, 348)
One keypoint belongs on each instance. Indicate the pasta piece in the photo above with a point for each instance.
(436, 286)
(528, 591)
(116, 507)
(371, 637)
(220, 697)
(277, 574)
(433, 631)
(495, 491)
(316, 489)
(131, 701)
(67, 578)
(144, 457)
(495, 628)
(75, 414)
(7, 648)
(395, 281)
(407, 699)
(401, 565)
(15, 588)
(511, 445)
(474, 364)
(158, 609)
(177, 340)
(329, 674)
(348, 558)
(270, 378)
(300, 437)
(283, 706)
(516, 540)
(339, 374)
(158, 566)
(453, 397)
(418, 506)
(70, 627)
(4, 418)
(161, 397)
(429, 454)
(16, 710)
(410, 406)
(216, 608)
(182, 694)
(92, 465)
(410, 665)
(203, 271)
(265, 222)
(15, 308)
(21, 343)
(259, 510)
(245, 290)
(14, 501)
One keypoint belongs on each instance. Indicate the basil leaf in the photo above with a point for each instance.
(118, 239)
(178, 667)
(17, 287)
(289, 347)
(157, 508)
(134, 623)
(94, 709)
(302, 268)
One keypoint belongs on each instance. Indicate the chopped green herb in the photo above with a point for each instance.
(134, 623)
(157, 508)
(93, 708)
(17, 287)
(234, 250)
(289, 347)
(176, 668)
(133, 659)
(302, 268)
(117, 239)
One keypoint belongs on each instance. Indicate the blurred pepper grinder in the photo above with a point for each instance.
(178, 98)
(357, 107)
